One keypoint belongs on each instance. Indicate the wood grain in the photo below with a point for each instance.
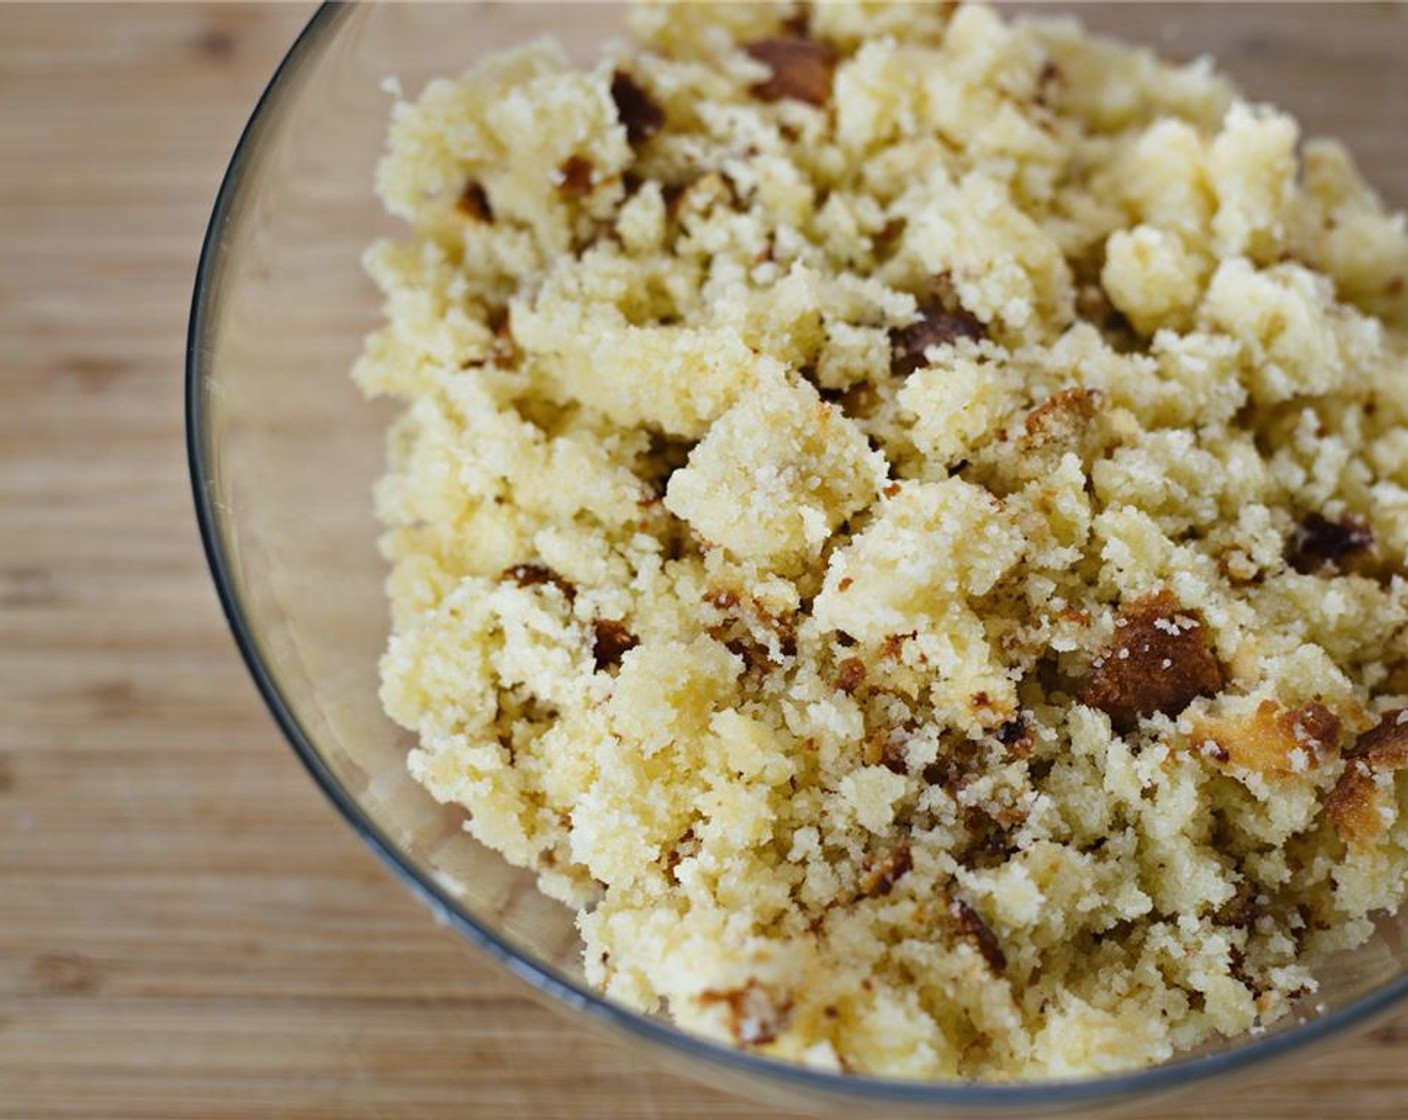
(186, 929)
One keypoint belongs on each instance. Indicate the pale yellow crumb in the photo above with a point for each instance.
(900, 521)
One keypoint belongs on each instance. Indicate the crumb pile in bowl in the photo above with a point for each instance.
(898, 518)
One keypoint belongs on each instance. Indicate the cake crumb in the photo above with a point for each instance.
(897, 521)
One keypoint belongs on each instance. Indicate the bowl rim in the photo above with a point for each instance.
(1244, 1054)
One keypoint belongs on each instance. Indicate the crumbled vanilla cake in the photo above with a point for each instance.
(900, 519)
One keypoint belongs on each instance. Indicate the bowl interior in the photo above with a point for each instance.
(285, 450)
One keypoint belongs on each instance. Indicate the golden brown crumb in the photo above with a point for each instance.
(1273, 741)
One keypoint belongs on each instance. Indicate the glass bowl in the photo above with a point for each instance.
(283, 452)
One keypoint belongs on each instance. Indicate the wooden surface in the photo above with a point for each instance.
(186, 928)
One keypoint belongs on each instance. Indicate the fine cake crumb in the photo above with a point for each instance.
(898, 519)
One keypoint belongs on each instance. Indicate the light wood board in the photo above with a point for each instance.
(186, 928)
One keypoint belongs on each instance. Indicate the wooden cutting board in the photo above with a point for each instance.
(186, 928)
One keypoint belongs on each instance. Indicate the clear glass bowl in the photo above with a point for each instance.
(283, 452)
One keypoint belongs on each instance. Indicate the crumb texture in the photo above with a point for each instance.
(899, 518)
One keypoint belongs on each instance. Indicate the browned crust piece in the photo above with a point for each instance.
(1266, 742)
(473, 203)
(972, 925)
(1061, 416)
(1160, 661)
(882, 872)
(636, 109)
(1321, 545)
(756, 1015)
(576, 175)
(801, 70)
(850, 675)
(1385, 745)
(611, 640)
(1352, 807)
(1016, 736)
(538, 575)
(937, 325)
